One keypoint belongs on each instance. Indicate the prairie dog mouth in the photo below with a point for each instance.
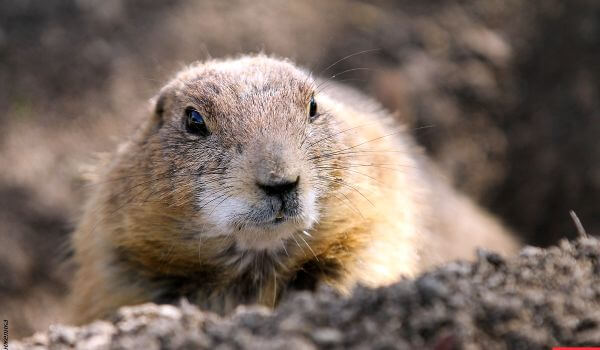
(279, 218)
(263, 225)
(275, 215)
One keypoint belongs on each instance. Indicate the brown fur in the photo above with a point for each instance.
(171, 214)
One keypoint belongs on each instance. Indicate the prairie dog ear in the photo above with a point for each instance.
(159, 104)
(159, 108)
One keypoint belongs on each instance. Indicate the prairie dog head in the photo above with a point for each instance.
(247, 143)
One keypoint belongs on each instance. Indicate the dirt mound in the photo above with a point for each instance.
(539, 299)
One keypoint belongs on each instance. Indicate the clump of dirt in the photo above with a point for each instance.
(542, 298)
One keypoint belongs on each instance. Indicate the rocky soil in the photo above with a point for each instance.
(542, 298)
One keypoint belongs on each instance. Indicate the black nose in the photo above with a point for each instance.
(279, 188)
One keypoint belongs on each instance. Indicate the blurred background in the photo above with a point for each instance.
(511, 86)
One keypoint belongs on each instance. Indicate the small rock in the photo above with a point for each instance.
(327, 336)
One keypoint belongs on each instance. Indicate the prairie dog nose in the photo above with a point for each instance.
(279, 187)
(277, 170)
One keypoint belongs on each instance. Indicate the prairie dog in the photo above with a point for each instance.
(250, 178)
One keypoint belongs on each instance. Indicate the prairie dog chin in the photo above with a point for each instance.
(249, 179)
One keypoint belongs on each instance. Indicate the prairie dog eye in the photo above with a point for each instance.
(194, 122)
(312, 109)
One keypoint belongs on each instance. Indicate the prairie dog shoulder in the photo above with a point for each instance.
(248, 180)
